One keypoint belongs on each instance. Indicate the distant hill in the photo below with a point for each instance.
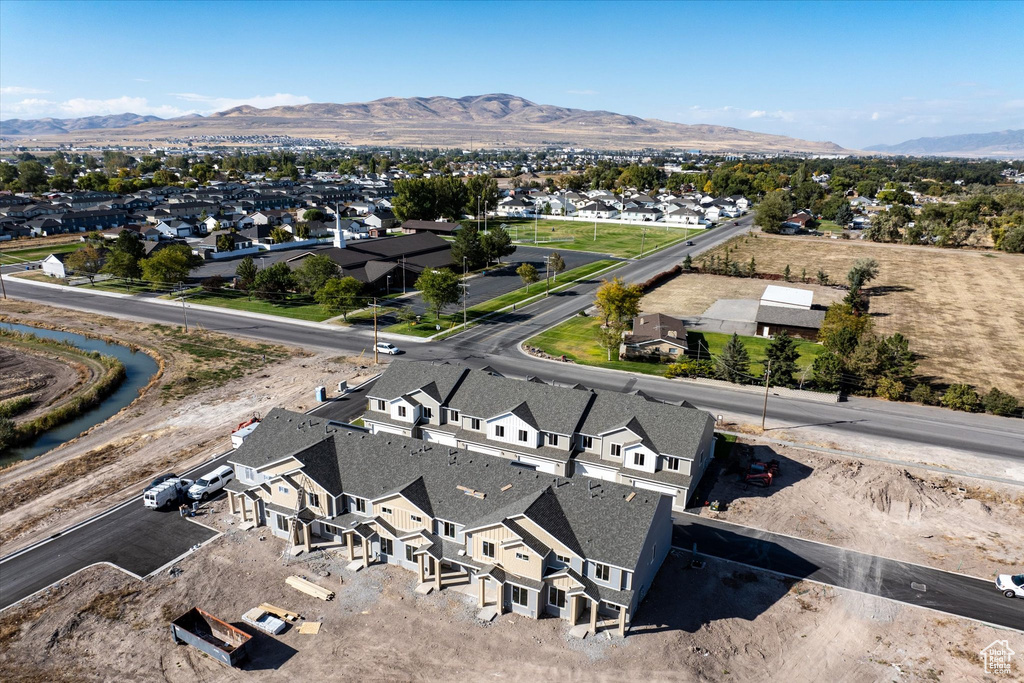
(496, 120)
(37, 127)
(1005, 143)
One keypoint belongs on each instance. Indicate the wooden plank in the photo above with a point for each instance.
(631, 496)
(279, 612)
(506, 487)
(464, 488)
(310, 627)
(310, 588)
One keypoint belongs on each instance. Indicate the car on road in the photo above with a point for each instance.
(1012, 586)
(167, 493)
(689, 243)
(211, 482)
(390, 349)
(161, 479)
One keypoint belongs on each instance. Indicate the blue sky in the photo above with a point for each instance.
(855, 73)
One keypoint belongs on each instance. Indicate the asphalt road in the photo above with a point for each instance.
(130, 536)
(964, 596)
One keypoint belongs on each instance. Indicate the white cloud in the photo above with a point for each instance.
(757, 114)
(212, 104)
(19, 90)
(582, 92)
(875, 116)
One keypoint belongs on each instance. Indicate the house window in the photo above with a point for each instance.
(401, 411)
(282, 523)
(499, 431)
(360, 505)
(387, 546)
(314, 500)
(416, 518)
(520, 597)
(474, 424)
(408, 553)
(563, 559)
(487, 549)
(522, 435)
(673, 350)
(428, 413)
(588, 442)
(249, 475)
(447, 529)
(283, 489)
(453, 416)
(601, 572)
(672, 464)
(638, 459)
(524, 557)
(384, 510)
(381, 406)
(556, 597)
(552, 439)
(617, 450)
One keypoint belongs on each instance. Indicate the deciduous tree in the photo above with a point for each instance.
(440, 288)
(340, 295)
(618, 302)
(170, 265)
(315, 272)
(528, 274)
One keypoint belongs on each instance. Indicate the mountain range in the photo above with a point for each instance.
(491, 121)
(1005, 143)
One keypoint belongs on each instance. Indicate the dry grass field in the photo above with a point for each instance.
(963, 311)
(690, 295)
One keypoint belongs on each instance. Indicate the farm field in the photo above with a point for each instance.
(618, 240)
(961, 310)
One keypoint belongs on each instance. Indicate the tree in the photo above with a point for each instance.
(313, 215)
(8, 431)
(923, 393)
(688, 262)
(528, 274)
(733, 363)
(556, 264)
(752, 267)
(863, 271)
(315, 272)
(280, 235)
(482, 192)
(87, 261)
(609, 337)
(497, 243)
(782, 354)
(246, 273)
(775, 208)
(844, 214)
(617, 301)
(170, 265)
(213, 283)
(467, 245)
(31, 176)
(961, 397)
(842, 329)
(124, 257)
(827, 371)
(890, 389)
(895, 360)
(1000, 403)
(226, 242)
(274, 281)
(440, 288)
(340, 295)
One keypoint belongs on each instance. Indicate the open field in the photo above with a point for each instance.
(947, 522)
(296, 306)
(625, 241)
(207, 384)
(35, 253)
(962, 310)
(722, 622)
(43, 377)
(577, 339)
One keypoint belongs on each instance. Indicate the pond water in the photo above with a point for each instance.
(139, 368)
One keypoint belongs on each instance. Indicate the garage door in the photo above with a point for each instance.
(445, 439)
(596, 472)
(669, 491)
(379, 429)
(483, 449)
(542, 465)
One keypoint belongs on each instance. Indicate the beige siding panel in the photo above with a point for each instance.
(282, 468)
(401, 515)
(544, 537)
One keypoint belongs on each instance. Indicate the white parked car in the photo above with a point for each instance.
(390, 349)
(210, 483)
(1012, 586)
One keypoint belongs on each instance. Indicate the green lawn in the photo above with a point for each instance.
(612, 238)
(295, 306)
(15, 256)
(122, 287)
(576, 339)
(428, 323)
(828, 226)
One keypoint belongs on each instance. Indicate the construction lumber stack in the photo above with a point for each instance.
(280, 612)
(309, 588)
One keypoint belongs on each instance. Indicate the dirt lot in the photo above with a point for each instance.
(716, 623)
(690, 295)
(48, 377)
(961, 309)
(905, 514)
(207, 385)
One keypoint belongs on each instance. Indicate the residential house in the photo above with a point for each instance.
(533, 544)
(53, 265)
(788, 309)
(174, 228)
(655, 335)
(413, 227)
(640, 213)
(208, 245)
(597, 210)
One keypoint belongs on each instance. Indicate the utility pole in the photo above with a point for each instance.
(375, 360)
(403, 274)
(547, 268)
(595, 226)
(2, 285)
(465, 292)
(643, 238)
(184, 314)
(764, 411)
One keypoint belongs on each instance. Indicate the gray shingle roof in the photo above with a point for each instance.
(792, 317)
(671, 430)
(403, 377)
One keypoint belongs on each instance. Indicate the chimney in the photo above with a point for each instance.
(339, 237)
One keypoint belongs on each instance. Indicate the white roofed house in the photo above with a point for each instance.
(788, 309)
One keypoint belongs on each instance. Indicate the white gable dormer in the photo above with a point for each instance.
(637, 456)
(512, 429)
(404, 410)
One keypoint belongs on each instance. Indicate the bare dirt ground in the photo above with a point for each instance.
(906, 514)
(961, 309)
(48, 377)
(690, 294)
(722, 622)
(208, 384)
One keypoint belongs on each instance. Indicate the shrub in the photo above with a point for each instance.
(212, 283)
(15, 406)
(961, 397)
(923, 393)
(1000, 403)
(688, 367)
(890, 389)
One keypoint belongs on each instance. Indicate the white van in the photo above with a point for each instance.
(210, 483)
(168, 492)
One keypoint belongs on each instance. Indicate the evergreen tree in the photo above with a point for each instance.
(733, 364)
(783, 354)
